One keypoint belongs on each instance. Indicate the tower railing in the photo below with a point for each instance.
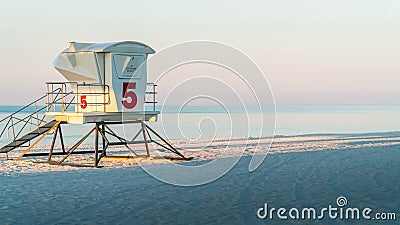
(55, 89)
(28, 118)
(72, 91)
(98, 95)
(151, 95)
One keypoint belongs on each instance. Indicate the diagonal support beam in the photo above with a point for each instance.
(171, 148)
(145, 139)
(121, 140)
(38, 140)
(53, 142)
(76, 145)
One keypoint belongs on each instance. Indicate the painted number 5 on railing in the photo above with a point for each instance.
(129, 98)
(83, 102)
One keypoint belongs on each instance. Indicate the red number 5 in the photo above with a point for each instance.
(83, 102)
(128, 93)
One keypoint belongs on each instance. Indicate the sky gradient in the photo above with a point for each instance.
(312, 52)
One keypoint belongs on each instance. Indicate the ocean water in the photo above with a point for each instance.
(301, 119)
(196, 122)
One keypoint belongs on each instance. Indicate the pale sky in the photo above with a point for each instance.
(312, 52)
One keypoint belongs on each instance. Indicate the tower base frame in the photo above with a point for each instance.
(102, 131)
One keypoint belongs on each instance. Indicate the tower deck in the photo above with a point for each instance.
(99, 117)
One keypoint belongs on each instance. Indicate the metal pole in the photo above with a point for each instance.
(53, 143)
(63, 97)
(61, 139)
(37, 118)
(145, 139)
(154, 98)
(47, 97)
(96, 145)
(12, 125)
(103, 140)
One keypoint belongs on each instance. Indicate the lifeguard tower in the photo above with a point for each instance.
(106, 85)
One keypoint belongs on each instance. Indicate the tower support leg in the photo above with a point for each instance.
(145, 138)
(99, 152)
(96, 146)
(61, 139)
(103, 138)
(53, 142)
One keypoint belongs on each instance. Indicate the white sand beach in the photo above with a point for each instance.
(300, 171)
(205, 149)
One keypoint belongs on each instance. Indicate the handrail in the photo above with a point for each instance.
(33, 118)
(152, 92)
(75, 90)
(21, 109)
(31, 115)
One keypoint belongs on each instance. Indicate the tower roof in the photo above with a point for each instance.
(122, 46)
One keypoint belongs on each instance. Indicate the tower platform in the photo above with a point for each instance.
(101, 117)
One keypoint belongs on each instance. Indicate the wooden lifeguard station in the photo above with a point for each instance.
(106, 85)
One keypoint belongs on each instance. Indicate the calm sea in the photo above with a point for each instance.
(211, 121)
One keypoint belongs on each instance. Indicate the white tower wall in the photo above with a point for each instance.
(110, 68)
